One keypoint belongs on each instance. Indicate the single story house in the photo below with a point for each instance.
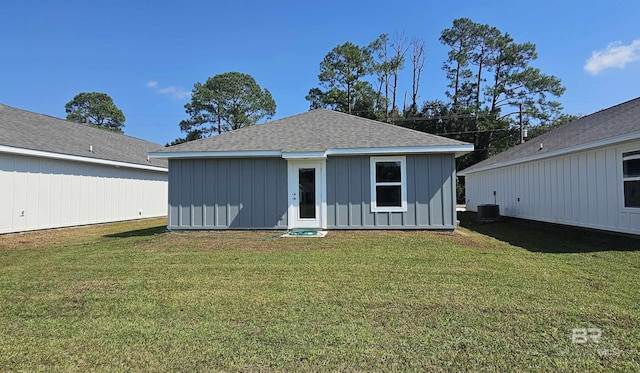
(585, 173)
(55, 173)
(320, 169)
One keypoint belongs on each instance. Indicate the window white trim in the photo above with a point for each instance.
(402, 184)
(622, 179)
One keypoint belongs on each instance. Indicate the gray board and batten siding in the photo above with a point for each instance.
(222, 193)
(251, 193)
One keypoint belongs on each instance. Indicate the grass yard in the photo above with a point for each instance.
(491, 297)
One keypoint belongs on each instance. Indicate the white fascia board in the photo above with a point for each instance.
(556, 153)
(77, 158)
(457, 149)
(304, 155)
(227, 154)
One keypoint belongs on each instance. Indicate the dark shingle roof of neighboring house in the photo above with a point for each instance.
(615, 124)
(316, 131)
(27, 130)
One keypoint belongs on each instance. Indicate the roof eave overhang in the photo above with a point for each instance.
(556, 153)
(458, 150)
(222, 154)
(304, 155)
(77, 158)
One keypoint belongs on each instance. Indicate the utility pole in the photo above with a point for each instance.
(521, 126)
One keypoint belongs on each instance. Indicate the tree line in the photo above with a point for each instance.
(493, 91)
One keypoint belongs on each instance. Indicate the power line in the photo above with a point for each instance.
(449, 116)
(468, 132)
(432, 117)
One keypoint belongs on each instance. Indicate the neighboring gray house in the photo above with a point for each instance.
(54, 173)
(319, 169)
(585, 173)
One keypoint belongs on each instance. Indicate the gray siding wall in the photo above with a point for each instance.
(430, 194)
(228, 193)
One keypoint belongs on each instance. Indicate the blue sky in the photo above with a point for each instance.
(148, 54)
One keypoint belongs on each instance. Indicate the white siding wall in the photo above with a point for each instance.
(56, 193)
(582, 189)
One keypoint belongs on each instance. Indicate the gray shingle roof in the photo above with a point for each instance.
(315, 131)
(616, 121)
(28, 130)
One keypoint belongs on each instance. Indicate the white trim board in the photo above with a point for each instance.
(434, 149)
(304, 155)
(77, 158)
(555, 153)
(463, 149)
(223, 154)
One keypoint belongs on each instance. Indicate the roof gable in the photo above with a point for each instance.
(617, 122)
(315, 131)
(42, 133)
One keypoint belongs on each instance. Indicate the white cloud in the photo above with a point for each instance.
(175, 92)
(615, 54)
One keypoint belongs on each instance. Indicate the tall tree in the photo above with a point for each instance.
(342, 83)
(399, 47)
(515, 82)
(417, 60)
(226, 102)
(95, 108)
(512, 81)
(382, 69)
(489, 71)
(460, 40)
(485, 42)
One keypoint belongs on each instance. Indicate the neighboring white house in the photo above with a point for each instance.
(55, 173)
(585, 173)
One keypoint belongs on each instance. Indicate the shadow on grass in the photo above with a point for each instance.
(139, 232)
(550, 238)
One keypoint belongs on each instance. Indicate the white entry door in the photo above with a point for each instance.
(307, 191)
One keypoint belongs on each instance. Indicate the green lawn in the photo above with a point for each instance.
(128, 297)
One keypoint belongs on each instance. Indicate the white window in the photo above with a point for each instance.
(388, 184)
(631, 179)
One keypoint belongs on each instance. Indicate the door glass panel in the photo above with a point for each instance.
(307, 193)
